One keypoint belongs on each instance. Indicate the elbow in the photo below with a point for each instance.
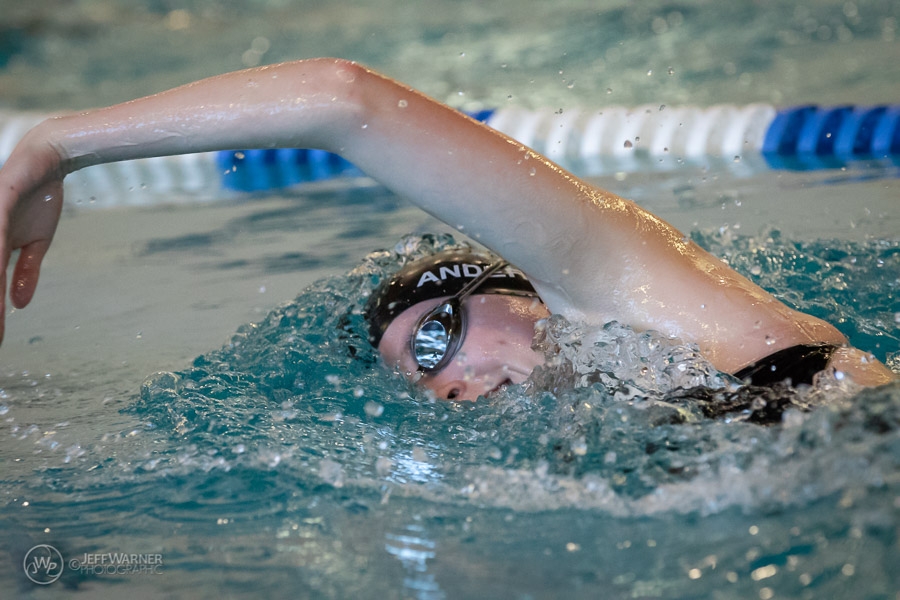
(340, 93)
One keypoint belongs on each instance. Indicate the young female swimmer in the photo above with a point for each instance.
(589, 254)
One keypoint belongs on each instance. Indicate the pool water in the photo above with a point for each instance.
(191, 381)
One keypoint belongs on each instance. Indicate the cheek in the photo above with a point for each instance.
(396, 356)
(506, 321)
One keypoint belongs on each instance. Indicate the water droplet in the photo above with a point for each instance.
(579, 447)
(737, 158)
(756, 269)
(571, 84)
(48, 198)
(374, 409)
(403, 104)
(609, 90)
(532, 172)
(769, 340)
(649, 72)
(662, 107)
(628, 144)
(383, 466)
(671, 71)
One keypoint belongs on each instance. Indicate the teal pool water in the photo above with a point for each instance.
(191, 383)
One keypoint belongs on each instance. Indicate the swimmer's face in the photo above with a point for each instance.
(496, 350)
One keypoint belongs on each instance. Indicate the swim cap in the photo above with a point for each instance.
(436, 276)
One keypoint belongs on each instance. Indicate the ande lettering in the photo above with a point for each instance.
(465, 270)
(454, 271)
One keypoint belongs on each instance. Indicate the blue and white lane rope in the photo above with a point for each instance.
(597, 142)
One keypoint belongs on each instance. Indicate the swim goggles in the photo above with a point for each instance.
(439, 333)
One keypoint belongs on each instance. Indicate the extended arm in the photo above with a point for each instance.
(467, 175)
(590, 254)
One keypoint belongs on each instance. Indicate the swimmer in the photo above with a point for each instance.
(587, 254)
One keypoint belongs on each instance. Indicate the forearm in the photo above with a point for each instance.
(289, 105)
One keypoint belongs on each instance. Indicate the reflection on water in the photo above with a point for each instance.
(414, 550)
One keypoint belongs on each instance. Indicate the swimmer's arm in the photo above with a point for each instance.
(591, 254)
(473, 178)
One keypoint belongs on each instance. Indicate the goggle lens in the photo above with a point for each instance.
(431, 341)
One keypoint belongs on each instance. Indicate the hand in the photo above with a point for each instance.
(31, 197)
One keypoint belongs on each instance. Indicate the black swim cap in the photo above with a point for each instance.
(436, 276)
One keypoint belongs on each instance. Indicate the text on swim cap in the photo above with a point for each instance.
(456, 271)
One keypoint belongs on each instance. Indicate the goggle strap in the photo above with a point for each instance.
(477, 281)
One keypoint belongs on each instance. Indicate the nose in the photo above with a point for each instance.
(469, 388)
(455, 390)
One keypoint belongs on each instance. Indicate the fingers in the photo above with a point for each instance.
(26, 273)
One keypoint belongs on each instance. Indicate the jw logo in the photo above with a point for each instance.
(43, 564)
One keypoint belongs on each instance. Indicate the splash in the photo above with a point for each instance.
(624, 422)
